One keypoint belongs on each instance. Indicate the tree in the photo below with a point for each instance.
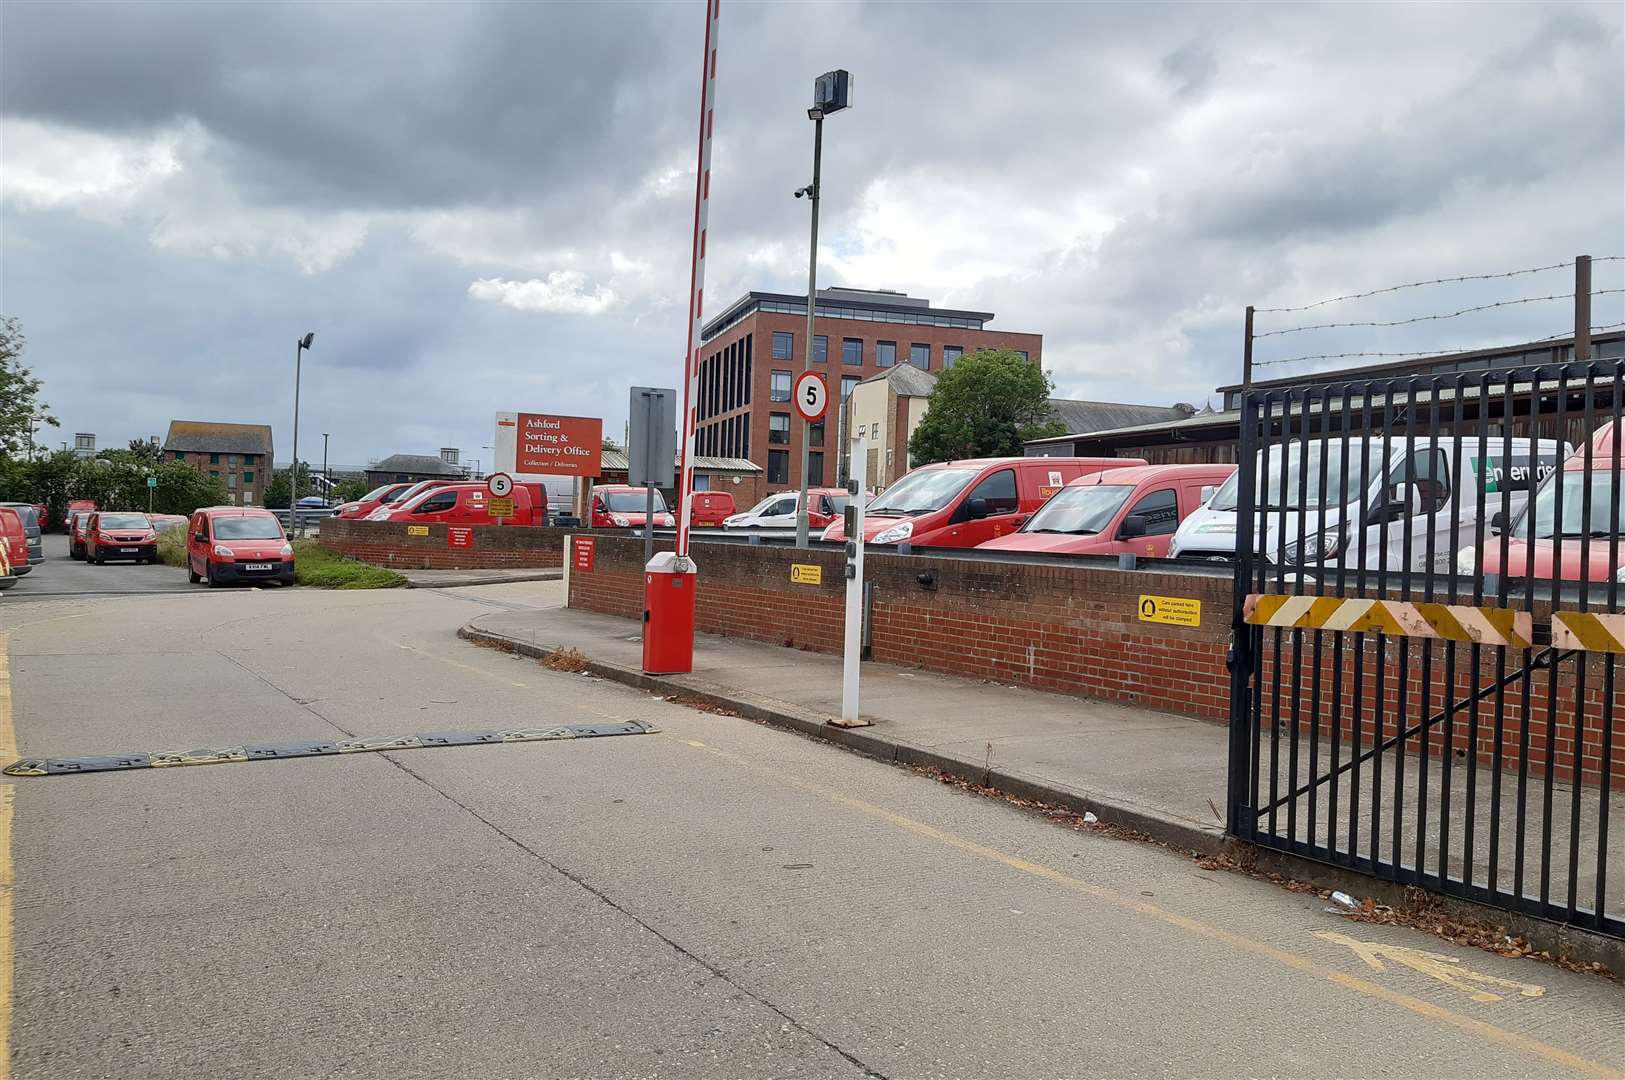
(350, 489)
(280, 493)
(986, 405)
(20, 406)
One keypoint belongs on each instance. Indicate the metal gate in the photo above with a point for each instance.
(1426, 624)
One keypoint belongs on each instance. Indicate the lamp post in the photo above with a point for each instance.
(831, 93)
(293, 480)
(327, 477)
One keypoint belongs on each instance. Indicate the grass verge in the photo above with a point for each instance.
(172, 546)
(323, 568)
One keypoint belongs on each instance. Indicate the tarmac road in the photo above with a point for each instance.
(718, 899)
(59, 577)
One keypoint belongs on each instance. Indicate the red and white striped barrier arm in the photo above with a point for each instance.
(696, 288)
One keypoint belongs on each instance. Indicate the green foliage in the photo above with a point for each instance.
(279, 496)
(350, 490)
(19, 396)
(172, 545)
(324, 568)
(986, 405)
(114, 481)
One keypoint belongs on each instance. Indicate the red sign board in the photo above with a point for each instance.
(565, 445)
(459, 536)
(586, 546)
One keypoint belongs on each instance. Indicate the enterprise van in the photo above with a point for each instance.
(966, 503)
(1391, 489)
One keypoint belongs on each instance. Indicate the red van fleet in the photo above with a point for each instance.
(463, 504)
(621, 506)
(110, 536)
(13, 546)
(230, 544)
(1117, 511)
(966, 503)
(372, 500)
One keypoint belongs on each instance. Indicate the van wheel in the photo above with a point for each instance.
(208, 574)
(191, 575)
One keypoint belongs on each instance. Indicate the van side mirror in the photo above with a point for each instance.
(200, 538)
(977, 509)
(1133, 525)
(1498, 522)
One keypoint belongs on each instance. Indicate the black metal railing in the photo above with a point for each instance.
(1423, 679)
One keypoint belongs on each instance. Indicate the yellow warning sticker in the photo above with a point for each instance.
(499, 508)
(417, 530)
(806, 574)
(1173, 610)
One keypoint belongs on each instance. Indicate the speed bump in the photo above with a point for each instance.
(221, 755)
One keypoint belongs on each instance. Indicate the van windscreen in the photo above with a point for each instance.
(1080, 510)
(922, 492)
(1319, 490)
(255, 527)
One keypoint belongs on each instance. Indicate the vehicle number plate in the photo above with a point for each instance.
(128, 551)
(257, 566)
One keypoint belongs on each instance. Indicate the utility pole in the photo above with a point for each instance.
(1582, 307)
(327, 477)
(293, 479)
(1247, 351)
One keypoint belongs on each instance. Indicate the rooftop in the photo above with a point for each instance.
(428, 464)
(615, 461)
(870, 305)
(1082, 417)
(907, 380)
(210, 437)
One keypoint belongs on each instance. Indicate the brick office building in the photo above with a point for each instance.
(237, 455)
(752, 352)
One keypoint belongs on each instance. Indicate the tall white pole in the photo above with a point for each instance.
(852, 648)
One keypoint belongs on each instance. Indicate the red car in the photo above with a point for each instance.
(77, 520)
(372, 500)
(230, 544)
(110, 536)
(621, 506)
(463, 504)
(13, 546)
(1116, 512)
(712, 508)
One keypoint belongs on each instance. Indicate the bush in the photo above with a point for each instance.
(172, 545)
(324, 568)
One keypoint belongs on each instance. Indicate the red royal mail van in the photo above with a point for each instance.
(372, 500)
(110, 536)
(966, 503)
(229, 544)
(620, 506)
(461, 504)
(1116, 511)
(712, 508)
(13, 546)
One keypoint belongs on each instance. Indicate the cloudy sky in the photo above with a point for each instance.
(486, 207)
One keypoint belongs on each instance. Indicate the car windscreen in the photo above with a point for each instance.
(922, 492)
(759, 508)
(1542, 513)
(1080, 510)
(125, 521)
(255, 527)
(1323, 481)
(376, 493)
(631, 502)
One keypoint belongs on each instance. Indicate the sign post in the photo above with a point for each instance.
(152, 482)
(500, 485)
(852, 647)
(651, 451)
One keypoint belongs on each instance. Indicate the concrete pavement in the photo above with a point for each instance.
(719, 899)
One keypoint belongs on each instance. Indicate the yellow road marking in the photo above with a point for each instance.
(1447, 969)
(1292, 960)
(8, 752)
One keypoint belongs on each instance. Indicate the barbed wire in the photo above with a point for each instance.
(1424, 352)
(1433, 281)
(1431, 318)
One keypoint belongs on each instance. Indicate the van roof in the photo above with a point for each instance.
(1035, 462)
(1135, 474)
(240, 511)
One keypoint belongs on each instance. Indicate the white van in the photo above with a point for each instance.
(1414, 484)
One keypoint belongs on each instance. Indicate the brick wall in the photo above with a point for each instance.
(386, 543)
(1076, 629)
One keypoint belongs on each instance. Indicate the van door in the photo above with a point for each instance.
(1158, 510)
(990, 508)
(780, 514)
(440, 506)
(1418, 484)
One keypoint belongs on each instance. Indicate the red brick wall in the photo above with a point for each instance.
(1076, 629)
(385, 543)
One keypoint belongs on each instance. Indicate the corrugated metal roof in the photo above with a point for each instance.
(615, 460)
(429, 464)
(1084, 417)
(196, 436)
(907, 380)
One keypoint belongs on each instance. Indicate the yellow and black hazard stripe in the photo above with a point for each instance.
(1502, 627)
(1588, 631)
(218, 755)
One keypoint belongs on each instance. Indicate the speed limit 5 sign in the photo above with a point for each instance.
(499, 485)
(811, 396)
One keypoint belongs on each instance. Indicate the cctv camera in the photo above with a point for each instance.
(800, 191)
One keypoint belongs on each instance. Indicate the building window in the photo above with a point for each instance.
(920, 356)
(815, 434)
(847, 383)
(783, 345)
(231, 481)
(248, 498)
(214, 459)
(886, 353)
(951, 355)
(702, 483)
(874, 431)
(231, 459)
(1023, 354)
(815, 469)
(214, 474)
(778, 428)
(781, 386)
(180, 455)
(851, 350)
(778, 466)
(821, 349)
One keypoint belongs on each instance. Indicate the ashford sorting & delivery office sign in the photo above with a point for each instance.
(544, 443)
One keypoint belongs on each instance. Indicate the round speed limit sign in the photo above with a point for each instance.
(811, 396)
(499, 484)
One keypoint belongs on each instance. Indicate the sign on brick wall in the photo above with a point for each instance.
(417, 530)
(584, 552)
(459, 536)
(1171, 610)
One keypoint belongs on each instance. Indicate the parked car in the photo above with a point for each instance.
(1117, 511)
(711, 509)
(110, 535)
(13, 547)
(1556, 541)
(966, 503)
(1361, 498)
(228, 545)
(466, 503)
(383, 495)
(77, 520)
(44, 513)
(401, 498)
(621, 506)
(31, 527)
(779, 511)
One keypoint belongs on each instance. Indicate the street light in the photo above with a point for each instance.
(327, 477)
(293, 481)
(831, 93)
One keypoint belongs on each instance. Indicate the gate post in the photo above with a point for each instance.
(1242, 657)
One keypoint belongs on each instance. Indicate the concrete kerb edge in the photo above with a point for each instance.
(508, 579)
(1176, 833)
